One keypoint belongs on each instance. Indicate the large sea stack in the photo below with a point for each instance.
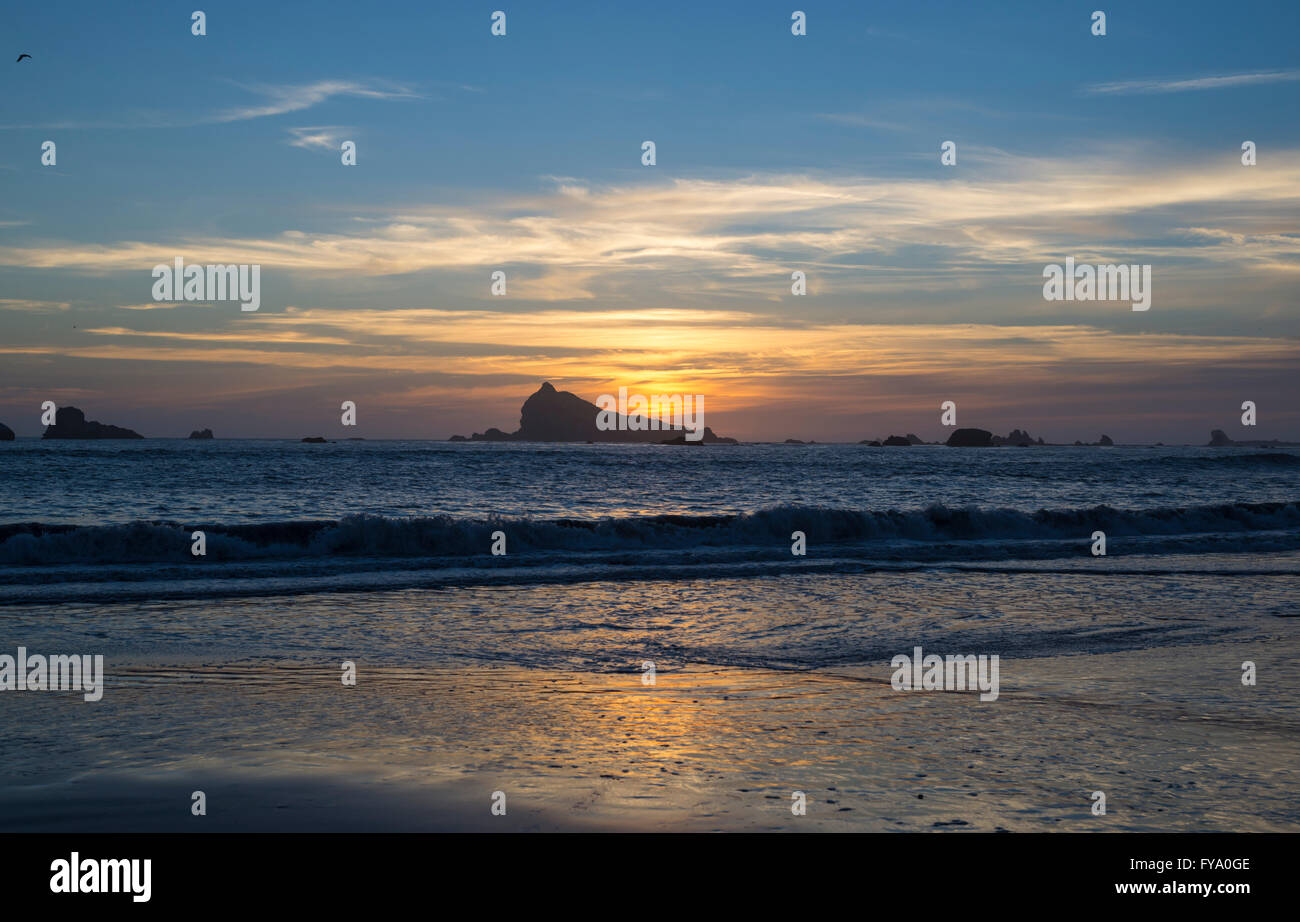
(559, 416)
(71, 423)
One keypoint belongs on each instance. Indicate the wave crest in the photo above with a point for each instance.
(448, 537)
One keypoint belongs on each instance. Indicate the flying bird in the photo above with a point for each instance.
(20, 58)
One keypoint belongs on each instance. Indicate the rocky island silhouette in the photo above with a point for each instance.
(551, 415)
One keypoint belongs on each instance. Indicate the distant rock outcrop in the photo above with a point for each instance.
(1219, 439)
(1105, 440)
(6, 434)
(71, 423)
(970, 438)
(316, 440)
(201, 434)
(1017, 438)
(895, 440)
(559, 416)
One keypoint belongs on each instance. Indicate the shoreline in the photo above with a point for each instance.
(704, 749)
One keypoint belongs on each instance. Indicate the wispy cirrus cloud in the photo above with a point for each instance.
(278, 100)
(737, 235)
(32, 306)
(320, 137)
(1188, 84)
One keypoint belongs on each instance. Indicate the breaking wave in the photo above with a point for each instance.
(890, 532)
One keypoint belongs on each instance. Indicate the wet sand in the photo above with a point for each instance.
(1170, 735)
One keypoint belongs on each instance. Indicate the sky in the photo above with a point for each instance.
(775, 153)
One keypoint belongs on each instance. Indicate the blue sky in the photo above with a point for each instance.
(774, 153)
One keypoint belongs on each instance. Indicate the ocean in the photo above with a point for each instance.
(648, 653)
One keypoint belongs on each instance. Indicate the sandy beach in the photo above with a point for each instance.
(1172, 737)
